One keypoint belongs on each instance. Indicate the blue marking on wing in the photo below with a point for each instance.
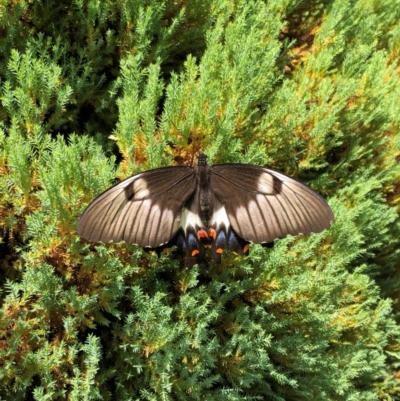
(180, 241)
(192, 241)
(220, 241)
(233, 240)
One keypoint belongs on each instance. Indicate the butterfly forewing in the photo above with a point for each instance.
(263, 205)
(144, 209)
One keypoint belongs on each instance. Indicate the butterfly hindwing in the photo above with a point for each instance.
(263, 205)
(144, 209)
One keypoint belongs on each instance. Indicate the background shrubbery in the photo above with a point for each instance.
(94, 91)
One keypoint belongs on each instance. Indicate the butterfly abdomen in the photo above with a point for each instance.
(203, 197)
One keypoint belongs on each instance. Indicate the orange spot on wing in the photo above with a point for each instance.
(246, 248)
(202, 233)
(165, 250)
(212, 233)
(195, 252)
(219, 250)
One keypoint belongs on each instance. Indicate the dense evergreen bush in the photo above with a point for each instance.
(96, 91)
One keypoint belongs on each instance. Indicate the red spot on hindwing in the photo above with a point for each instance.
(202, 233)
(212, 233)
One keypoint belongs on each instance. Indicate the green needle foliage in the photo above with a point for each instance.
(93, 92)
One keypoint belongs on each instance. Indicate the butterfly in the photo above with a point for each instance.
(221, 207)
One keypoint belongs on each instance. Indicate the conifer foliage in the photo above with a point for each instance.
(93, 92)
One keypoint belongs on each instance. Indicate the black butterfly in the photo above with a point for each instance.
(225, 206)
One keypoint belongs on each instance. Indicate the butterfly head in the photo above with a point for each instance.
(202, 160)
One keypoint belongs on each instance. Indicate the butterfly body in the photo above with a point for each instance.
(221, 207)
